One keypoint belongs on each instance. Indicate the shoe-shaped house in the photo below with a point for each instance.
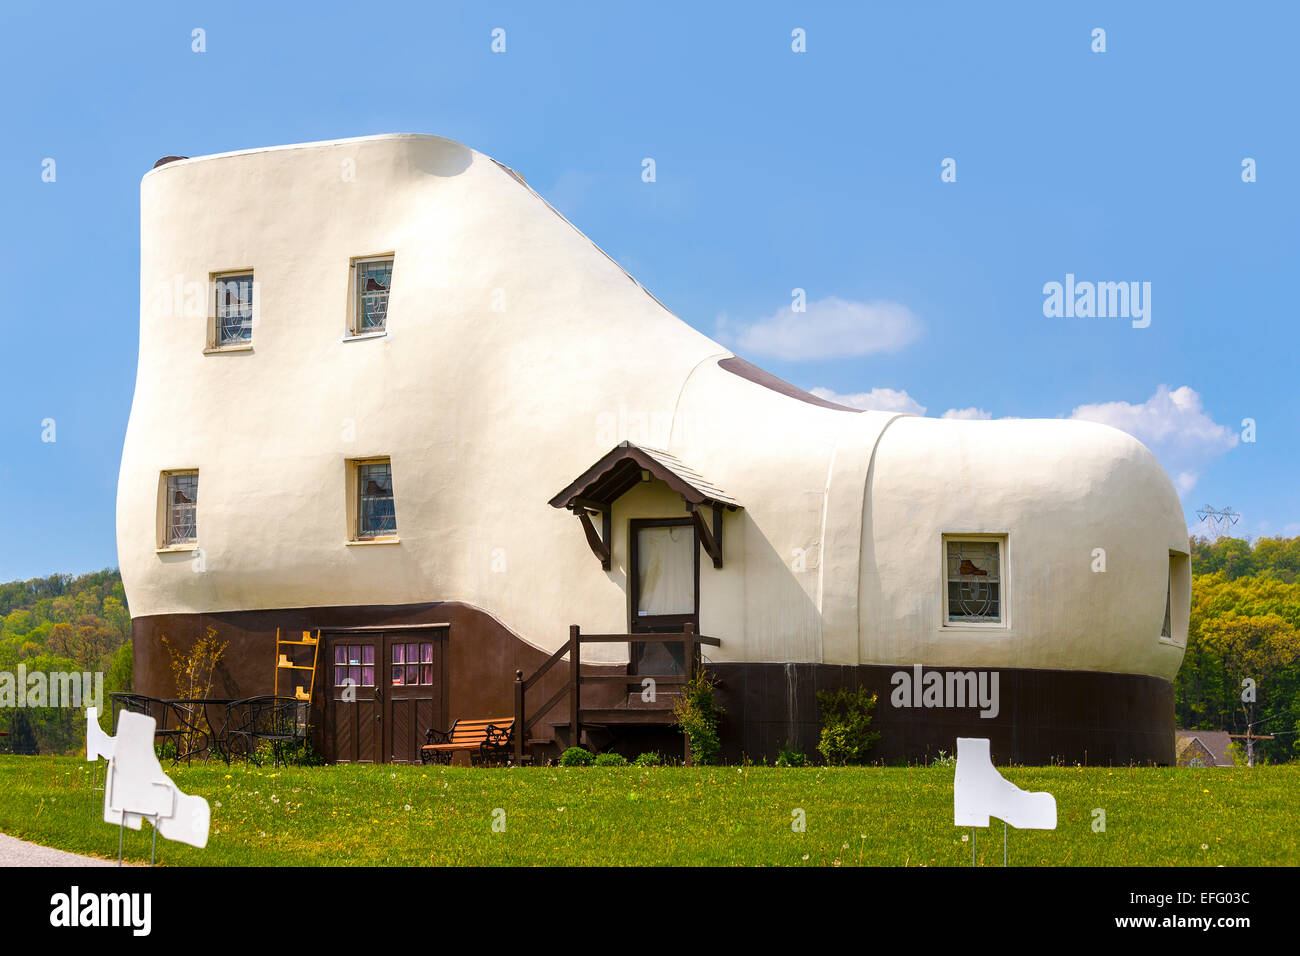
(387, 394)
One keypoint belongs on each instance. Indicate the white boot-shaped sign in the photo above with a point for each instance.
(136, 787)
(980, 792)
(98, 743)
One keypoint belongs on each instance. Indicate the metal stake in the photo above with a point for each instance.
(154, 848)
(972, 846)
(1004, 842)
(121, 829)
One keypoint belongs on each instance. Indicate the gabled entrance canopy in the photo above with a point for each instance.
(619, 471)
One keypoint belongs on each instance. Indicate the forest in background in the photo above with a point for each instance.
(62, 624)
(1245, 624)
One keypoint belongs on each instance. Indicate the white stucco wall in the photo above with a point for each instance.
(486, 414)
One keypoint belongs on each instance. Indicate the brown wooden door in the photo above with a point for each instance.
(413, 674)
(665, 578)
(354, 725)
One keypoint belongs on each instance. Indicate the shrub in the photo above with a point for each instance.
(846, 725)
(576, 757)
(648, 759)
(610, 760)
(697, 713)
(787, 756)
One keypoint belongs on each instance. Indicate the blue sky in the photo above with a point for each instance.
(774, 171)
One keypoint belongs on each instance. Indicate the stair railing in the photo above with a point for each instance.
(687, 637)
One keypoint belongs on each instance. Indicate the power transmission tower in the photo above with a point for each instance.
(1217, 518)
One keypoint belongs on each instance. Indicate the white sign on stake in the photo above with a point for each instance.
(979, 792)
(136, 787)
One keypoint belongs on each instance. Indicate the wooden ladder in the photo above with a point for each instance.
(284, 662)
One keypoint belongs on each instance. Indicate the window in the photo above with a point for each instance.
(232, 310)
(412, 665)
(1166, 629)
(1178, 586)
(371, 279)
(973, 580)
(182, 497)
(376, 514)
(355, 664)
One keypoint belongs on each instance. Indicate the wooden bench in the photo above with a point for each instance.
(486, 741)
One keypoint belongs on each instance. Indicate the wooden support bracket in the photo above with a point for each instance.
(711, 539)
(600, 548)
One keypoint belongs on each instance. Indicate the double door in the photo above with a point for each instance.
(385, 690)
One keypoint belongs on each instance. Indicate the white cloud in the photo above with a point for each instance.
(830, 328)
(967, 414)
(878, 399)
(1173, 425)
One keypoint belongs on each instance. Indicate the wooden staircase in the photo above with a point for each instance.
(596, 727)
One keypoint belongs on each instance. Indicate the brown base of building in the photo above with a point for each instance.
(1042, 717)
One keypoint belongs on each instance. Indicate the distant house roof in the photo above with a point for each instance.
(1211, 747)
(620, 469)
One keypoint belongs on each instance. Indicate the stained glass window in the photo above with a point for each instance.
(974, 579)
(234, 309)
(373, 279)
(376, 514)
(182, 500)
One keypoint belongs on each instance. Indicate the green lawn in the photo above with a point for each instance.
(413, 816)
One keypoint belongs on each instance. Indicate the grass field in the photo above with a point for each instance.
(418, 816)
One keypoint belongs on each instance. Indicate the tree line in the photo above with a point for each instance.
(1245, 626)
(62, 624)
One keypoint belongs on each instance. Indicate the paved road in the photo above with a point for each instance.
(21, 853)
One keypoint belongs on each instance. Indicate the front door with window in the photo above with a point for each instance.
(385, 693)
(665, 572)
(414, 692)
(354, 722)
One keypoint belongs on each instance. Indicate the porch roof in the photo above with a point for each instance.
(618, 471)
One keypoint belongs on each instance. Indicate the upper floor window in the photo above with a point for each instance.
(371, 280)
(376, 514)
(182, 491)
(232, 310)
(973, 580)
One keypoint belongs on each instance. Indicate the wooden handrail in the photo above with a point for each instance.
(676, 637)
(545, 708)
(550, 662)
(573, 686)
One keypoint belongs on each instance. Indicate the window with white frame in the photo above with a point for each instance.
(182, 491)
(376, 513)
(371, 280)
(232, 316)
(973, 580)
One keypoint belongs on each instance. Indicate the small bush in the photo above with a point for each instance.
(846, 725)
(697, 714)
(648, 759)
(576, 757)
(610, 760)
(789, 757)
